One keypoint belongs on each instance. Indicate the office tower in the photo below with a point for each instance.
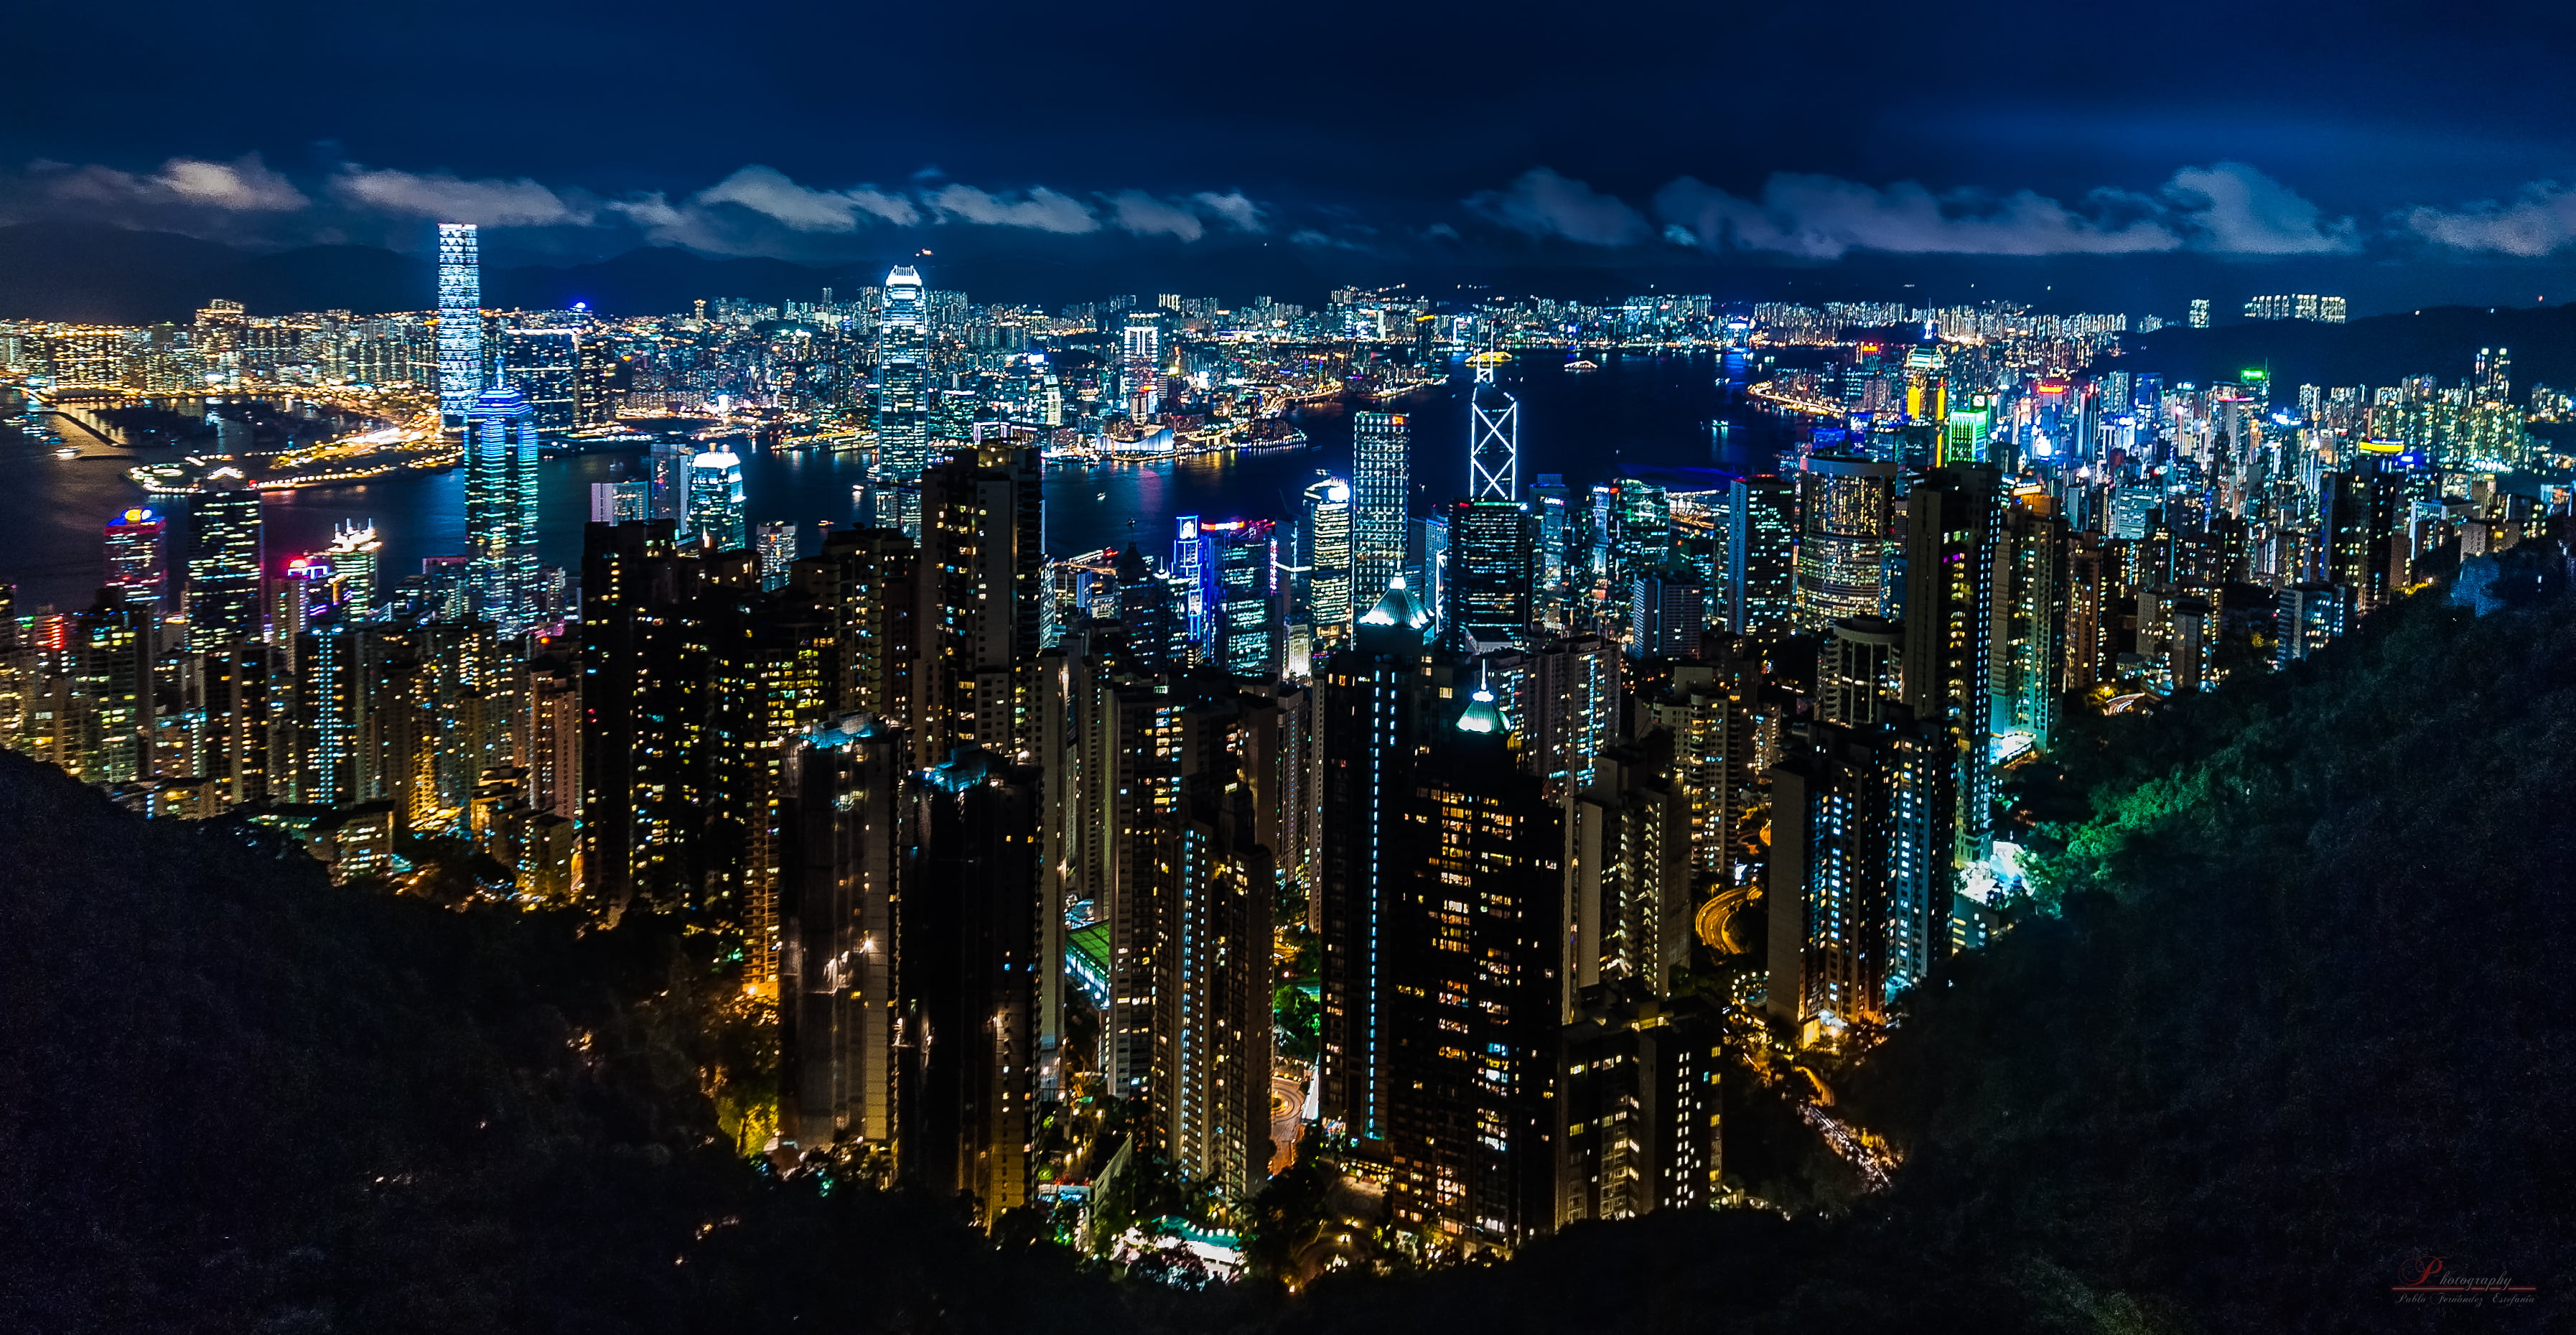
(1472, 956)
(1845, 515)
(1628, 874)
(1761, 554)
(1551, 507)
(354, 556)
(1667, 611)
(1156, 618)
(776, 544)
(643, 655)
(981, 602)
(1426, 561)
(1489, 578)
(1139, 781)
(224, 568)
(1381, 453)
(1372, 695)
(1326, 539)
(1493, 439)
(1189, 575)
(1858, 890)
(716, 515)
(544, 365)
(770, 673)
(869, 580)
(2027, 679)
(1641, 535)
(669, 461)
(1722, 744)
(1951, 527)
(138, 561)
(903, 388)
(114, 687)
(460, 324)
(1141, 366)
(1638, 1109)
(1860, 671)
(845, 821)
(501, 510)
(1569, 710)
(1969, 434)
(626, 502)
(595, 376)
(971, 935)
(1237, 564)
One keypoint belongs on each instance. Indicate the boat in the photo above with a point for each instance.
(1581, 365)
(68, 452)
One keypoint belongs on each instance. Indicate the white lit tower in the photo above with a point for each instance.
(903, 377)
(1381, 446)
(501, 510)
(1493, 436)
(460, 323)
(1141, 348)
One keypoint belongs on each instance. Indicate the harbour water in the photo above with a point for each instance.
(1641, 410)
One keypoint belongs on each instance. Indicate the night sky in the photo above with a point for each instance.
(2402, 153)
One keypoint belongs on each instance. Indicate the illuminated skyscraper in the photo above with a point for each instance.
(777, 548)
(1142, 365)
(353, 556)
(1327, 538)
(1761, 554)
(460, 323)
(224, 567)
(1493, 440)
(138, 561)
(715, 501)
(1487, 587)
(1845, 513)
(903, 425)
(1381, 450)
(501, 510)
(1952, 521)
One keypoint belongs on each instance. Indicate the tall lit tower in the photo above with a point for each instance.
(903, 371)
(138, 561)
(225, 565)
(501, 510)
(1141, 346)
(1493, 438)
(460, 323)
(1381, 446)
(1328, 556)
(715, 500)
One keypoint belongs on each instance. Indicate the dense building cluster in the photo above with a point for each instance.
(1021, 854)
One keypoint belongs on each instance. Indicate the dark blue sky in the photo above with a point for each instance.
(2403, 152)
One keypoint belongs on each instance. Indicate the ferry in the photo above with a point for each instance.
(67, 452)
(1580, 366)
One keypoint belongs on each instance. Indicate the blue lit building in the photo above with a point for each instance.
(460, 323)
(501, 510)
(715, 501)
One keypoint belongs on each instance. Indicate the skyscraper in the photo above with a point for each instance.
(777, 548)
(138, 558)
(460, 323)
(1493, 439)
(844, 819)
(1141, 365)
(1381, 452)
(1951, 525)
(1327, 540)
(354, 555)
(544, 365)
(1491, 570)
(1761, 554)
(224, 567)
(715, 501)
(501, 510)
(1845, 514)
(903, 424)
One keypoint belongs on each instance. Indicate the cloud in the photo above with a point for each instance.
(1044, 209)
(1141, 213)
(1825, 217)
(2541, 219)
(766, 190)
(1232, 208)
(2237, 210)
(1543, 203)
(490, 203)
(244, 185)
